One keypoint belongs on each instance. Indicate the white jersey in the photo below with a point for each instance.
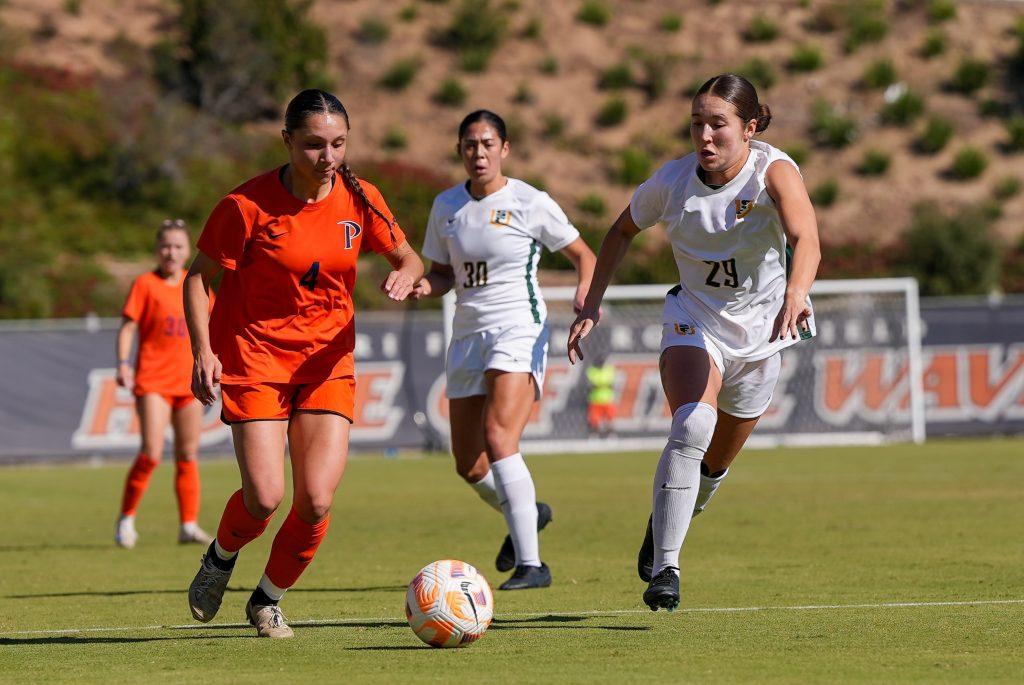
(730, 248)
(493, 246)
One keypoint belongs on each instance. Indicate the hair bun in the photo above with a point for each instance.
(764, 117)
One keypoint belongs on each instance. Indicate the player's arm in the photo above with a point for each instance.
(613, 248)
(583, 260)
(439, 280)
(207, 368)
(125, 338)
(786, 188)
(407, 270)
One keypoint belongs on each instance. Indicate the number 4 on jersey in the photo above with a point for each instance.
(728, 266)
(309, 278)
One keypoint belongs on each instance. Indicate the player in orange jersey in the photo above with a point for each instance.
(279, 342)
(161, 381)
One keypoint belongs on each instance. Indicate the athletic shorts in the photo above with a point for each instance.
(278, 401)
(747, 387)
(600, 413)
(522, 348)
(176, 401)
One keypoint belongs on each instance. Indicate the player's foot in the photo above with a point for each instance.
(526, 577)
(190, 533)
(207, 589)
(645, 559)
(663, 592)
(507, 554)
(268, 620)
(125, 534)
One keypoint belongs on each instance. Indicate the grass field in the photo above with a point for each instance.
(893, 564)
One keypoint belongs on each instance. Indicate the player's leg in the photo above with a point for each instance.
(691, 380)
(186, 420)
(154, 414)
(466, 416)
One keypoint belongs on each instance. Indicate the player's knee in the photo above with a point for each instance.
(185, 456)
(693, 424)
(263, 502)
(314, 507)
(472, 472)
(499, 439)
(154, 450)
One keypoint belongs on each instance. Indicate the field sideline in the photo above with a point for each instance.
(889, 564)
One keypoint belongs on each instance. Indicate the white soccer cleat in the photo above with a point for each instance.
(125, 534)
(268, 621)
(190, 533)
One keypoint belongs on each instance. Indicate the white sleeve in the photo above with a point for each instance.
(550, 225)
(647, 206)
(434, 247)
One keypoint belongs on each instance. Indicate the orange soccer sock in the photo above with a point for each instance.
(237, 526)
(136, 483)
(186, 487)
(294, 548)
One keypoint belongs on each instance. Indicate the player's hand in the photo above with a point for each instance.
(421, 289)
(125, 375)
(206, 377)
(792, 317)
(580, 329)
(397, 285)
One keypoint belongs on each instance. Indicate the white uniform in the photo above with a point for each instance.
(493, 245)
(730, 249)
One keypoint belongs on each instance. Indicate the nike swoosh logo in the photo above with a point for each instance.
(275, 236)
(451, 221)
(666, 486)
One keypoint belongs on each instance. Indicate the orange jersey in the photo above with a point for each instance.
(284, 311)
(164, 362)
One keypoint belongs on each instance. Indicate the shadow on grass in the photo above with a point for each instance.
(60, 547)
(184, 589)
(99, 640)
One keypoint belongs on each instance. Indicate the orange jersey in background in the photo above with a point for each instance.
(164, 362)
(284, 311)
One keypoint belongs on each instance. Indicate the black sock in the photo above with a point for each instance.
(706, 472)
(259, 598)
(223, 565)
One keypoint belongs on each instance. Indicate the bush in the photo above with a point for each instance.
(1015, 133)
(657, 68)
(865, 23)
(592, 204)
(798, 152)
(594, 12)
(394, 139)
(759, 72)
(670, 23)
(553, 125)
(941, 10)
(400, 74)
(616, 77)
(952, 254)
(634, 167)
(260, 52)
(612, 113)
(902, 111)
(1006, 187)
(874, 163)
(969, 76)
(934, 44)
(825, 193)
(969, 163)
(408, 13)
(935, 135)
(450, 93)
(474, 33)
(829, 128)
(761, 30)
(879, 74)
(533, 29)
(548, 66)
(373, 31)
(523, 95)
(806, 57)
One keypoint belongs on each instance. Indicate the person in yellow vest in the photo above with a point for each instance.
(601, 400)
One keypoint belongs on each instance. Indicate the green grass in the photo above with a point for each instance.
(789, 528)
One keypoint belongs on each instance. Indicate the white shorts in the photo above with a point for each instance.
(522, 348)
(747, 387)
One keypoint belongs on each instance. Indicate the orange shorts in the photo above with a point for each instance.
(277, 401)
(176, 401)
(600, 413)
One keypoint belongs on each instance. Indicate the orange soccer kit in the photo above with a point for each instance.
(283, 325)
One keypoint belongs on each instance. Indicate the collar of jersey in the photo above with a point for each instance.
(306, 206)
(708, 190)
(499, 191)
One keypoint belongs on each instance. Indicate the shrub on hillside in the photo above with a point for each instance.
(825, 193)
(634, 166)
(798, 152)
(952, 254)
(874, 163)
(474, 33)
(830, 128)
(879, 74)
(450, 93)
(548, 66)
(670, 23)
(1015, 133)
(935, 136)
(400, 74)
(806, 57)
(616, 77)
(941, 10)
(903, 110)
(533, 29)
(933, 44)
(373, 30)
(865, 22)
(969, 163)
(1006, 187)
(761, 29)
(612, 113)
(594, 12)
(970, 75)
(657, 69)
(759, 72)
(592, 204)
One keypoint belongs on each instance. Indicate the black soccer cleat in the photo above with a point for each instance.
(506, 558)
(645, 558)
(663, 592)
(527, 577)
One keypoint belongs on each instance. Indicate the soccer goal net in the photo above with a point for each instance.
(859, 381)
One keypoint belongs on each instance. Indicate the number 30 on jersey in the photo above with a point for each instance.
(476, 274)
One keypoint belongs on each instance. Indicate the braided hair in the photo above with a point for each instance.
(313, 101)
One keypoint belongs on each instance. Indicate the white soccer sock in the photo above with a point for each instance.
(223, 553)
(487, 491)
(677, 480)
(708, 485)
(518, 499)
(274, 592)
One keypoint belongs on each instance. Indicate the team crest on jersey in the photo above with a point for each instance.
(686, 329)
(743, 208)
(501, 217)
(352, 231)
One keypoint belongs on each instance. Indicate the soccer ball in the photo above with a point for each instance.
(449, 604)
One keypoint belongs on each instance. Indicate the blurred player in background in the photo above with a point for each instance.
(601, 399)
(280, 344)
(731, 208)
(161, 382)
(485, 237)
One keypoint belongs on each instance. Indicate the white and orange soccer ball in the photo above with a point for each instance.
(449, 604)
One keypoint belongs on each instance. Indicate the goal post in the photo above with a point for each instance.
(859, 381)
